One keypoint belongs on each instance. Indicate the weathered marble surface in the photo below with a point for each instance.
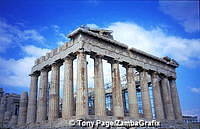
(92, 42)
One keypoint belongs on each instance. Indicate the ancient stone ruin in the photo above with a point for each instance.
(41, 108)
(9, 108)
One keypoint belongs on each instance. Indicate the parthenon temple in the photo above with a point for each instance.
(150, 92)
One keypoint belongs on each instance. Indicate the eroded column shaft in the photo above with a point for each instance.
(42, 99)
(2, 109)
(9, 111)
(133, 105)
(54, 92)
(145, 95)
(99, 87)
(159, 111)
(13, 120)
(82, 85)
(167, 100)
(32, 100)
(23, 109)
(175, 100)
(68, 96)
(118, 109)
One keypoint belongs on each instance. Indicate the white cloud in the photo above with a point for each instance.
(185, 12)
(195, 90)
(60, 43)
(186, 51)
(157, 42)
(56, 28)
(60, 36)
(92, 26)
(33, 35)
(34, 51)
(14, 35)
(15, 72)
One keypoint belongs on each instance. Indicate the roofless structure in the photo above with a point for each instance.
(100, 45)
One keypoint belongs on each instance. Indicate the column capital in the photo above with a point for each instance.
(162, 76)
(80, 51)
(71, 57)
(112, 61)
(127, 65)
(45, 69)
(56, 64)
(154, 73)
(172, 78)
(34, 74)
(141, 69)
(97, 56)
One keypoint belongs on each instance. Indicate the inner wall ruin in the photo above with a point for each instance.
(41, 108)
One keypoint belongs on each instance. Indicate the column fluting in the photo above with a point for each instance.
(175, 100)
(145, 95)
(68, 95)
(42, 97)
(54, 92)
(23, 109)
(82, 85)
(159, 111)
(167, 100)
(118, 109)
(32, 99)
(99, 87)
(132, 97)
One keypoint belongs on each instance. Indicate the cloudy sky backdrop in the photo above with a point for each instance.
(29, 29)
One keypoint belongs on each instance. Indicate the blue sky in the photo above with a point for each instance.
(28, 29)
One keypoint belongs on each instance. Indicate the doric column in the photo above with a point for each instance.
(54, 92)
(68, 90)
(167, 100)
(42, 97)
(9, 106)
(82, 85)
(7, 116)
(132, 98)
(32, 100)
(2, 109)
(13, 121)
(23, 109)
(159, 111)
(118, 109)
(145, 95)
(175, 100)
(99, 87)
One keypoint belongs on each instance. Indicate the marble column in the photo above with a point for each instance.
(9, 107)
(2, 109)
(23, 109)
(159, 111)
(42, 97)
(54, 92)
(68, 90)
(118, 109)
(99, 90)
(32, 100)
(7, 115)
(175, 100)
(13, 121)
(145, 95)
(132, 98)
(167, 100)
(82, 85)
